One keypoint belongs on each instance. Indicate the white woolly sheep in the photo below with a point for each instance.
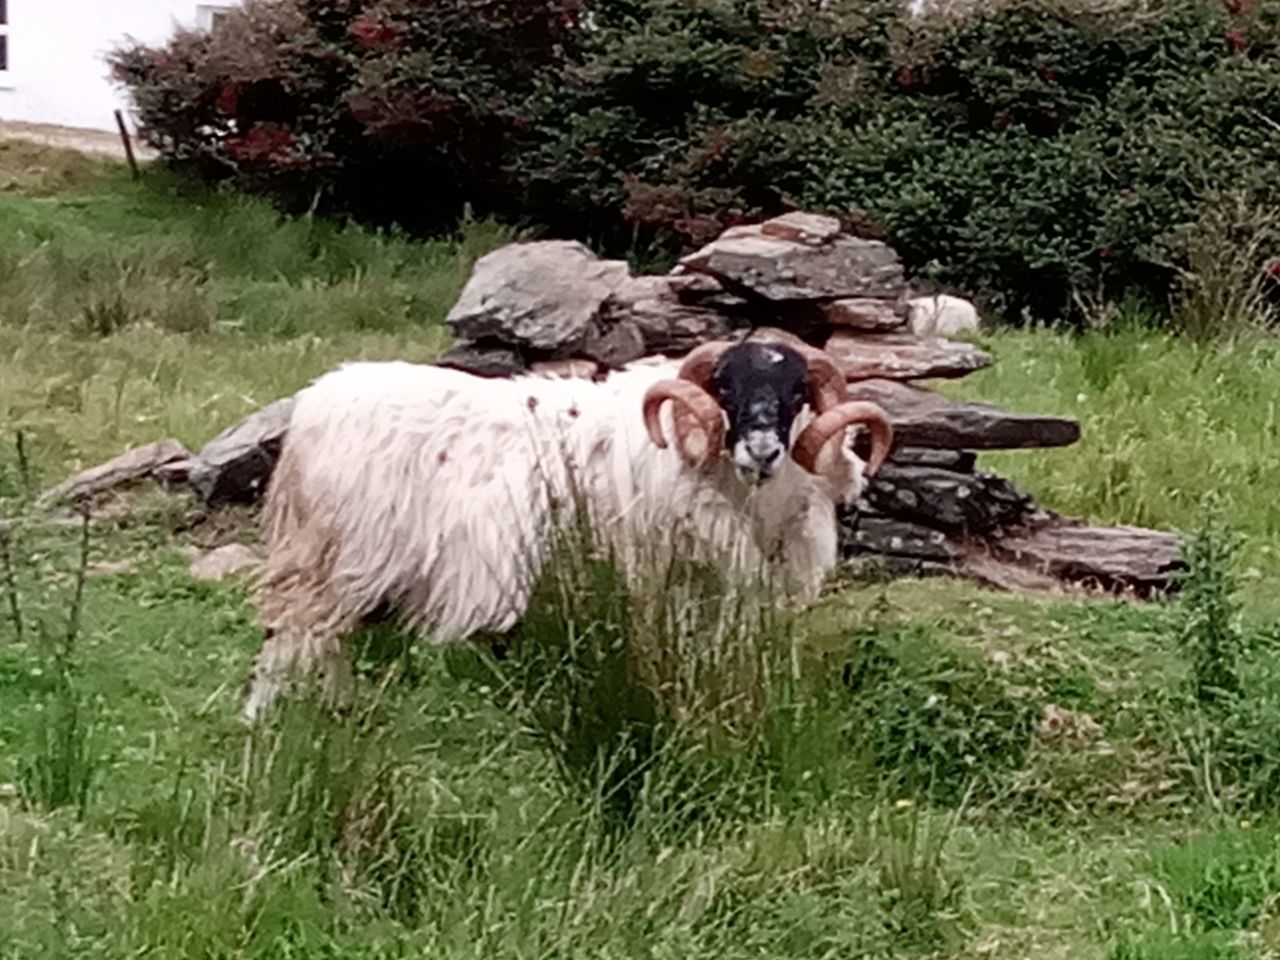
(431, 492)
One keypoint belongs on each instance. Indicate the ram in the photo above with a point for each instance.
(433, 493)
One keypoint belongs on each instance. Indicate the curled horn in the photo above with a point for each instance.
(832, 423)
(827, 387)
(698, 419)
(700, 364)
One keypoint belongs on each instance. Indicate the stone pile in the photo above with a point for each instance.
(530, 306)
(554, 307)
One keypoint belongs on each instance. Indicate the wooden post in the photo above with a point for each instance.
(128, 144)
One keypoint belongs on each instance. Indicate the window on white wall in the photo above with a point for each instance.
(208, 15)
(4, 36)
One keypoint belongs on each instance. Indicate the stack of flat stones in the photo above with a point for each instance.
(555, 308)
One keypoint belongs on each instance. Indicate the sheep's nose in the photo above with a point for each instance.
(757, 460)
(767, 463)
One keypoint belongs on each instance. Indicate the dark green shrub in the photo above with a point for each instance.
(1029, 153)
(1032, 152)
(679, 119)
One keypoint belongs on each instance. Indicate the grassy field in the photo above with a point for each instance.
(952, 773)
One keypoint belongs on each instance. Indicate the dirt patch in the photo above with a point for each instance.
(94, 142)
(33, 170)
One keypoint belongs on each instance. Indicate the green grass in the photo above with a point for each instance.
(916, 805)
(1164, 422)
(32, 170)
(179, 258)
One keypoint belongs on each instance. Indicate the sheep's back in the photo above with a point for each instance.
(433, 489)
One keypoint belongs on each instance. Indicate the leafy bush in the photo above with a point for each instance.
(1028, 152)
(392, 110)
(1031, 152)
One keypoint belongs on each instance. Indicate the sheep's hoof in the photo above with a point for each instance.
(262, 694)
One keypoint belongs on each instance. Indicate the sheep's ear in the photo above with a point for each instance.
(700, 441)
(695, 445)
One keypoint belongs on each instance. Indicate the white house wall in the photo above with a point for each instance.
(57, 73)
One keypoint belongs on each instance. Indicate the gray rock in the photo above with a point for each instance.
(672, 313)
(960, 461)
(175, 473)
(484, 360)
(903, 357)
(613, 343)
(864, 313)
(862, 532)
(924, 419)
(896, 567)
(1116, 559)
(782, 268)
(941, 316)
(137, 464)
(220, 563)
(541, 296)
(968, 504)
(800, 227)
(235, 465)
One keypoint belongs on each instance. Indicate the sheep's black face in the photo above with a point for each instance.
(761, 387)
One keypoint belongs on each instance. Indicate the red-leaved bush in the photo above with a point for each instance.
(393, 111)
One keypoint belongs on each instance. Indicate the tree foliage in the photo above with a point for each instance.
(1026, 151)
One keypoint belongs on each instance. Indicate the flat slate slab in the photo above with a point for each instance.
(136, 464)
(903, 357)
(864, 313)
(924, 419)
(484, 360)
(236, 464)
(796, 257)
(1124, 559)
(959, 461)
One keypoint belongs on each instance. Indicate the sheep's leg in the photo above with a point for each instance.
(289, 654)
(271, 669)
